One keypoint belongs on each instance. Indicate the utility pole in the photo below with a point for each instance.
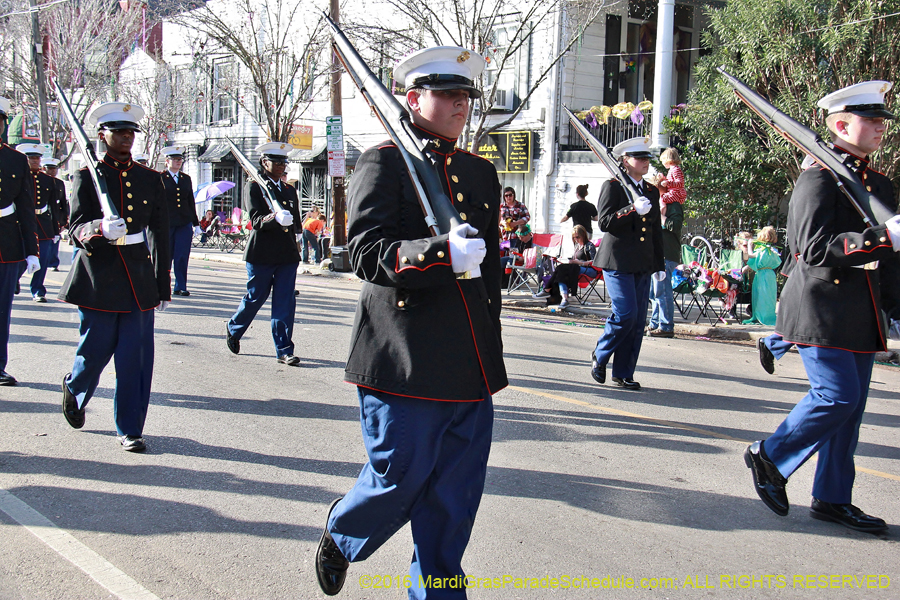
(338, 203)
(37, 56)
(662, 78)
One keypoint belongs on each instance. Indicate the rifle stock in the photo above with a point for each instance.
(602, 152)
(253, 173)
(90, 158)
(440, 216)
(872, 211)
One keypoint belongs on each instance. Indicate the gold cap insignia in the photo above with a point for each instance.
(281, 146)
(884, 88)
(463, 57)
(127, 107)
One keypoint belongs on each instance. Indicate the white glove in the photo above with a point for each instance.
(33, 264)
(55, 238)
(197, 230)
(894, 332)
(299, 237)
(642, 205)
(659, 276)
(284, 218)
(466, 253)
(113, 229)
(893, 227)
(163, 305)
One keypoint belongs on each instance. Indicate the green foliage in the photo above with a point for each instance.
(738, 171)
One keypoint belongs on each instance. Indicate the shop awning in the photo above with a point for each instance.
(215, 152)
(307, 156)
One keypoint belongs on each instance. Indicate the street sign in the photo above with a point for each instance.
(337, 164)
(334, 138)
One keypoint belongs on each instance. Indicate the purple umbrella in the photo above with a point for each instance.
(212, 190)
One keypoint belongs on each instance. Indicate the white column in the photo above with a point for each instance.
(665, 67)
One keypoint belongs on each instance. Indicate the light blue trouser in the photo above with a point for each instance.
(128, 338)
(621, 340)
(826, 421)
(180, 246)
(262, 279)
(427, 465)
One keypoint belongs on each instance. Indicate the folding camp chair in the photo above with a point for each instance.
(526, 275)
(587, 286)
(683, 287)
(727, 278)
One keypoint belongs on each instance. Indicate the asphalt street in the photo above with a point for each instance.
(592, 492)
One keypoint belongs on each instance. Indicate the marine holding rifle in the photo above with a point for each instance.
(831, 307)
(119, 276)
(426, 353)
(271, 255)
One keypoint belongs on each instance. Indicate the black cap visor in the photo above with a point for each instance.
(119, 125)
(439, 82)
(873, 111)
(639, 154)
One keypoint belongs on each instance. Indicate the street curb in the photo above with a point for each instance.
(302, 269)
(598, 316)
(538, 308)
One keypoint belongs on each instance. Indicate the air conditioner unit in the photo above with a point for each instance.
(503, 99)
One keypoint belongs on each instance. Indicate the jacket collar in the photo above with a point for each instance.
(116, 164)
(857, 163)
(436, 143)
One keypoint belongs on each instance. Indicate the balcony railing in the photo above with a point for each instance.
(614, 132)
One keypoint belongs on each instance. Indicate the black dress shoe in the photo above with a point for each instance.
(766, 358)
(628, 384)
(331, 566)
(846, 515)
(74, 415)
(232, 342)
(132, 443)
(6, 378)
(181, 293)
(768, 481)
(598, 371)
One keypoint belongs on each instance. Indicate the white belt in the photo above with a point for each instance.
(5, 212)
(40, 211)
(134, 238)
(872, 266)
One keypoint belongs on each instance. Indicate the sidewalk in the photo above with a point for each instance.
(593, 312)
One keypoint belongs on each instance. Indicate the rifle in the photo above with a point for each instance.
(252, 172)
(606, 157)
(90, 159)
(872, 211)
(440, 216)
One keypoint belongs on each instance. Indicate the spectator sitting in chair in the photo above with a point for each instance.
(519, 245)
(566, 275)
(209, 223)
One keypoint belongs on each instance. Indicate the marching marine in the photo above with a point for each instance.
(45, 210)
(426, 354)
(18, 239)
(271, 256)
(120, 274)
(51, 168)
(183, 221)
(843, 274)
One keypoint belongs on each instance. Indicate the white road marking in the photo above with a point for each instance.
(65, 544)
